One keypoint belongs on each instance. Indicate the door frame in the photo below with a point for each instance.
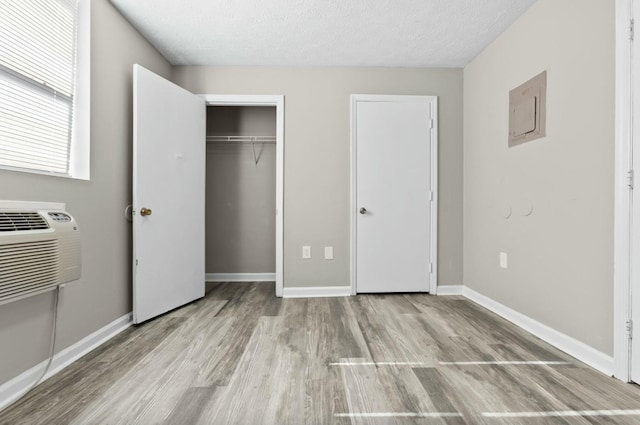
(278, 102)
(623, 279)
(433, 243)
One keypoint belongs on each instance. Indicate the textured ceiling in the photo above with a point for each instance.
(411, 33)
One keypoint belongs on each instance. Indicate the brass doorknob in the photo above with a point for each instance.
(145, 212)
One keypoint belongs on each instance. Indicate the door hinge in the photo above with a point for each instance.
(631, 29)
(630, 178)
(630, 328)
(431, 196)
(430, 123)
(136, 261)
(430, 267)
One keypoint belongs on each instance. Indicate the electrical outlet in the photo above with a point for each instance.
(503, 260)
(328, 253)
(306, 252)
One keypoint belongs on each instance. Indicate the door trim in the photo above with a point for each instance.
(433, 243)
(622, 248)
(278, 102)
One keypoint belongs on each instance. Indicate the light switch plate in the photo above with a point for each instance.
(306, 252)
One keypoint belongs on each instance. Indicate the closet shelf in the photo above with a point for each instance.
(241, 139)
(254, 140)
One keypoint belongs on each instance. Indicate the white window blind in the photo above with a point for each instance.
(37, 74)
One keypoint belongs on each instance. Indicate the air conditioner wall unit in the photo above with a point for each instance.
(39, 248)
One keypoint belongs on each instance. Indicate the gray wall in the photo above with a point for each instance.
(104, 292)
(316, 186)
(560, 258)
(241, 121)
(241, 195)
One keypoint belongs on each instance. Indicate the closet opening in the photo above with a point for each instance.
(243, 200)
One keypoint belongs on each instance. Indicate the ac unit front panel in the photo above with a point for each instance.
(38, 260)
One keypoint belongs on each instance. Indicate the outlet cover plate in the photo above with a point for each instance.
(503, 260)
(328, 253)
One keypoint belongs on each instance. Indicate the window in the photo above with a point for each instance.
(38, 85)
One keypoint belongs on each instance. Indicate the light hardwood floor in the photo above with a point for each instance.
(242, 356)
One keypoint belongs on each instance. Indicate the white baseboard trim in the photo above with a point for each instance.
(317, 292)
(450, 290)
(11, 390)
(240, 277)
(581, 351)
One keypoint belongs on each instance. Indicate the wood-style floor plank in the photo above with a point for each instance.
(241, 356)
(445, 397)
(191, 406)
(148, 392)
(365, 394)
(67, 395)
(390, 336)
(248, 395)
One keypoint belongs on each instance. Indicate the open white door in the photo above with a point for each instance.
(395, 162)
(168, 195)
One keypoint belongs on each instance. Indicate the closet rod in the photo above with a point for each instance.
(242, 139)
(254, 140)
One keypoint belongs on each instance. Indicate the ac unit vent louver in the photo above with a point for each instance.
(19, 221)
(27, 267)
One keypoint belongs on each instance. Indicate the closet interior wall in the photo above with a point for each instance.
(240, 190)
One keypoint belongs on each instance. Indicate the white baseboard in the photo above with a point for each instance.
(11, 390)
(240, 277)
(581, 351)
(317, 292)
(450, 290)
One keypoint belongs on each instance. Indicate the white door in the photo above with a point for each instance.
(168, 195)
(394, 181)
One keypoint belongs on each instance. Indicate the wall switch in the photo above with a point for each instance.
(503, 260)
(306, 252)
(328, 253)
